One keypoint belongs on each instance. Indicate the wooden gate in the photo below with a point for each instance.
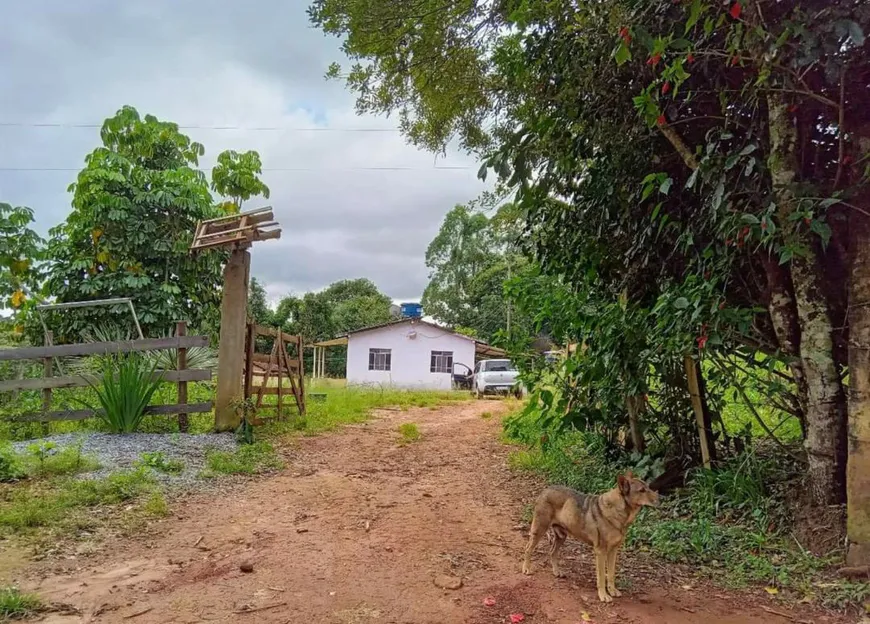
(283, 363)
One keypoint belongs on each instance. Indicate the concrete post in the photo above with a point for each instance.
(231, 350)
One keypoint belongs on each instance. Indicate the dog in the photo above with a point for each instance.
(601, 521)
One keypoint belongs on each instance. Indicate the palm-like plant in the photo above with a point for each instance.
(128, 382)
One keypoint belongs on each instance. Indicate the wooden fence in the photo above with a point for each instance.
(284, 361)
(48, 382)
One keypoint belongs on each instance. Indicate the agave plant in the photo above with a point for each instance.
(127, 385)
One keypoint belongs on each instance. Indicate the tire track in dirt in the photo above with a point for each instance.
(357, 530)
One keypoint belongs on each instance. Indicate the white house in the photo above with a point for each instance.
(408, 353)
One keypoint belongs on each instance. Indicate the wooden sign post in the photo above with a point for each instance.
(237, 233)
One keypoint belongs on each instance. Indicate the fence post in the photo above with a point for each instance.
(180, 365)
(47, 371)
(698, 408)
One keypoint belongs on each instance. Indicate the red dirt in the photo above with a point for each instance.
(356, 531)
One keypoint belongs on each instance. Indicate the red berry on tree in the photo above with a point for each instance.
(702, 341)
(807, 220)
(661, 120)
(735, 10)
(764, 225)
(690, 58)
(666, 88)
(654, 59)
(735, 59)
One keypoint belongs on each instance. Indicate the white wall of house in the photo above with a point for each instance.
(411, 345)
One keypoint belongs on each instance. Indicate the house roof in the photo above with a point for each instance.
(480, 347)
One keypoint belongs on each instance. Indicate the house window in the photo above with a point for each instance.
(441, 362)
(380, 359)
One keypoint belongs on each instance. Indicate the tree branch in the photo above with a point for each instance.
(679, 144)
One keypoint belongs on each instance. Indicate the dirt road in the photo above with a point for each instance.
(359, 530)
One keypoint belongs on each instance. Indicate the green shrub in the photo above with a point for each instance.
(11, 467)
(248, 459)
(127, 386)
(409, 432)
(15, 605)
(159, 462)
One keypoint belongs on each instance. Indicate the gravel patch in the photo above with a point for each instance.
(120, 452)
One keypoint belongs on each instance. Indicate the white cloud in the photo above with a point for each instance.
(210, 63)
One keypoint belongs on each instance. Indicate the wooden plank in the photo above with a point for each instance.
(262, 358)
(253, 217)
(250, 340)
(265, 330)
(47, 372)
(80, 381)
(282, 359)
(190, 408)
(698, 408)
(261, 389)
(181, 366)
(103, 348)
(264, 390)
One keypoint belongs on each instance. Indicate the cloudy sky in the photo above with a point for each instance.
(249, 65)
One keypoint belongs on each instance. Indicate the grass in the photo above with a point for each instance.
(249, 459)
(15, 605)
(409, 432)
(159, 462)
(57, 502)
(729, 524)
(155, 505)
(486, 415)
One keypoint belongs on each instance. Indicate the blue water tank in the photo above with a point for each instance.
(411, 310)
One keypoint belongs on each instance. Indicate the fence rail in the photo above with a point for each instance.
(48, 382)
(103, 348)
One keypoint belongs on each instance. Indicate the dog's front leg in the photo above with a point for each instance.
(601, 574)
(611, 572)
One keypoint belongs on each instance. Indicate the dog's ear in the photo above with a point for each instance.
(624, 484)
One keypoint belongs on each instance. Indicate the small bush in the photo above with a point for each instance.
(67, 461)
(11, 467)
(15, 605)
(159, 462)
(156, 505)
(409, 432)
(249, 459)
(127, 385)
(486, 415)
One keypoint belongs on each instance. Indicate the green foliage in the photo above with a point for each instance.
(126, 388)
(135, 207)
(409, 432)
(25, 508)
(249, 459)
(16, 605)
(159, 462)
(236, 176)
(20, 252)
(258, 309)
(470, 259)
(11, 466)
(156, 505)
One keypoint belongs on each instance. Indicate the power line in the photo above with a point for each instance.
(285, 169)
(25, 124)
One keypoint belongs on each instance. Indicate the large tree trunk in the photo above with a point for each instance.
(858, 477)
(826, 402)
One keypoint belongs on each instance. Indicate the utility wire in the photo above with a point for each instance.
(26, 124)
(309, 169)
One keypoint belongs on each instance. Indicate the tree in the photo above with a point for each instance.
(286, 314)
(236, 176)
(135, 206)
(463, 247)
(690, 172)
(20, 253)
(258, 309)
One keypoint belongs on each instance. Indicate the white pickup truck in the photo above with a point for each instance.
(496, 377)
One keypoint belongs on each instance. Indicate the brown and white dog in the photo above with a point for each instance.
(599, 520)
